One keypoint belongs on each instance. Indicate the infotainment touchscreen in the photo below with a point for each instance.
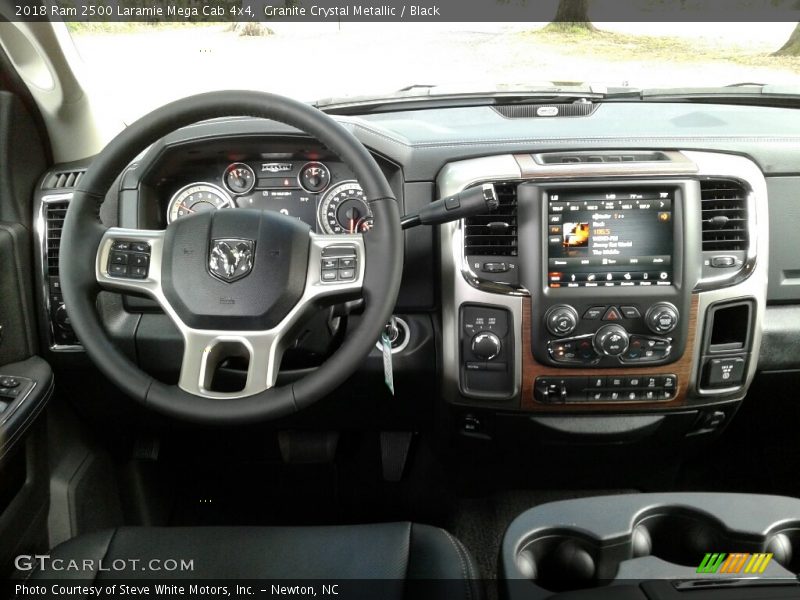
(610, 238)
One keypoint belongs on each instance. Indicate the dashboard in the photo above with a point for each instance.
(621, 276)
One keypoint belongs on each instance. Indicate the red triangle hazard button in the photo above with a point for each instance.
(612, 314)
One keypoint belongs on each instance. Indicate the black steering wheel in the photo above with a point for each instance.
(235, 282)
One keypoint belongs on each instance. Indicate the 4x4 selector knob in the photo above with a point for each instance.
(486, 345)
(561, 319)
(611, 340)
(661, 317)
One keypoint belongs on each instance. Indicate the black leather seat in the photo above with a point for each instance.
(390, 552)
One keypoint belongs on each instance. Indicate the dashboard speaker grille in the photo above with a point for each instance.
(724, 205)
(558, 109)
(494, 233)
(55, 212)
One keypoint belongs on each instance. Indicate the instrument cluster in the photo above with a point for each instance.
(306, 190)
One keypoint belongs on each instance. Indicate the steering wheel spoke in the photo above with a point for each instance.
(130, 260)
(206, 351)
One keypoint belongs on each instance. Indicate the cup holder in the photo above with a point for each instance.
(784, 544)
(560, 561)
(563, 559)
(684, 538)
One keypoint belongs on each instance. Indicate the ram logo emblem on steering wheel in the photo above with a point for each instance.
(231, 259)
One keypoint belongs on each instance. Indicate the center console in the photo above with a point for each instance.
(605, 283)
(654, 547)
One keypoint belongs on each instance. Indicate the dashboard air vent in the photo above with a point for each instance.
(565, 158)
(558, 109)
(54, 223)
(494, 233)
(724, 205)
(64, 179)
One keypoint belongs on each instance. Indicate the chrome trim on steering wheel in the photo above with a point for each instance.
(203, 347)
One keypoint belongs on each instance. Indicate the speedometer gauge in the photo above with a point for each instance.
(344, 209)
(197, 197)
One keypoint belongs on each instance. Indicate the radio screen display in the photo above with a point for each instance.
(610, 239)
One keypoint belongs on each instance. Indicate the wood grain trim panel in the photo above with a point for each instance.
(532, 369)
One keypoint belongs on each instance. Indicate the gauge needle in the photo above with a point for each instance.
(352, 225)
(186, 208)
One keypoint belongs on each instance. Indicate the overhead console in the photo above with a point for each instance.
(605, 281)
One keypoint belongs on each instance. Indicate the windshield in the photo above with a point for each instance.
(139, 66)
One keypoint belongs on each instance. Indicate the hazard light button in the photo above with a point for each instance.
(612, 314)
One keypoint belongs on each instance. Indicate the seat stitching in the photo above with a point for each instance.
(464, 568)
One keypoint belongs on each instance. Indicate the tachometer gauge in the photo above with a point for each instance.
(197, 197)
(239, 178)
(344, 210)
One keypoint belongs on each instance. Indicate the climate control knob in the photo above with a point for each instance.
(611, 340)
(561, 319)
(662, 317)
(486, 345)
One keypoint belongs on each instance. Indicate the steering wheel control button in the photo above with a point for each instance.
(561, 320)
(338, 263)
(594, 313)
(129, 259)
(612, 314)
(140, 260)
(630, 312)
(662, 317)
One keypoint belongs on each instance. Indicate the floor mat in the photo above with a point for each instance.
(481, 522)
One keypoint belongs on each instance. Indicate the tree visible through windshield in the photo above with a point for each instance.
(141, 66)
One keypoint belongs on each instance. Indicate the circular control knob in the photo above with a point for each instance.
(611, 340)
(61, 317)
(661, 317)
(486, 345)
(561, 319)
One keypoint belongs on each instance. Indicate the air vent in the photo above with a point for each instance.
(565, 158)
(494, 233)
(724, 205)
(64, 179)
(533, 111)
(54, 223)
